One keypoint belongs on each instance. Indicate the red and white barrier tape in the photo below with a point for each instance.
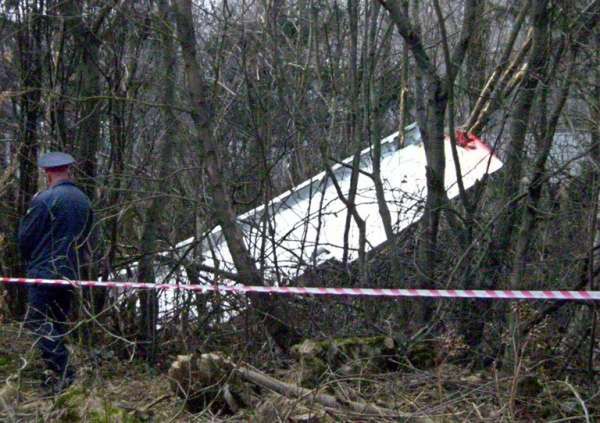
(357, 292)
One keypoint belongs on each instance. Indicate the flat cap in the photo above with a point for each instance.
(55, 159)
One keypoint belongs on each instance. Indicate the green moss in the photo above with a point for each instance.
(307, 348)
(110, 414)
(70, 398)
(422, 355)
(347, 355)
(529, 387)
(370, 340)
(78, 405)
(360, 352)
(312, 371)
(4, 361)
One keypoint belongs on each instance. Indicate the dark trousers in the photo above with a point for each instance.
(47, 315)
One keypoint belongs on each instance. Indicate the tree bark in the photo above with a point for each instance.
(29, 52)
(87, 43)
(515, 156)
(148, 241)
(202, 115)
(431, 122)
(474, 122)
(545, 135)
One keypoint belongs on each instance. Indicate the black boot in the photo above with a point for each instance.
(54, 385)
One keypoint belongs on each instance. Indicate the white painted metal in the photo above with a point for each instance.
(304, 227)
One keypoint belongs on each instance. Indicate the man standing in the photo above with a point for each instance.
(54, 239)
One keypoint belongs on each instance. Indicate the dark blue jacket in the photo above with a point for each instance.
(54, 235)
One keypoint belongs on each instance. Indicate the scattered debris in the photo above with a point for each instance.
(212, 380)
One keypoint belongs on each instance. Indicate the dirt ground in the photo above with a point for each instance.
(116, 389)
(124, 390)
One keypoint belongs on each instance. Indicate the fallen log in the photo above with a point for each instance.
(212, 380)
(346, 356)
(207, 381)
(356, 355)
(289, 390)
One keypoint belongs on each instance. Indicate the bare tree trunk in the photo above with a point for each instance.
(534, 190)
(474, 327)
(86, 48)
(494, 259)
(548, 120)
(354, 136)
(371, 115)
(431, 122)
(87, 43)
(151, 219)
(29, 50)
(202, 115)
(520, 124)
(59, 75)
(486, 100)
(476, 61)
(403, 112)
(594, 188)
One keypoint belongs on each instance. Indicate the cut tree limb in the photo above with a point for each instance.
(489, 87)
(499, 85)
(201, 379)
(294, 391)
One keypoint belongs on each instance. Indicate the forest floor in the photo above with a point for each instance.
(109, 389)
(120, 389)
